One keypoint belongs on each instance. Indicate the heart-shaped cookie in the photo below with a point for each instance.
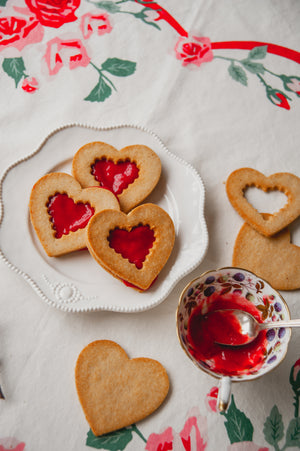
(130, 173)
(274, 258)
(289, 184)
(133, 247)
(115, 391)
(60, 211)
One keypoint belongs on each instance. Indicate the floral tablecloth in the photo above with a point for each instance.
(219, 84)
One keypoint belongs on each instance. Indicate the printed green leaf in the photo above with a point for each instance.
(3, 2)
(118, 67)
(239, 427)
(258, 52)
(114, 441)
(100, 92)
(238, 74)
(254, 68)
(293, 433)
(15, 68)
(273, 427)
(109, 6)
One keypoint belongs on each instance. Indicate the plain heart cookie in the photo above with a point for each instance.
(133, 247)
(130, 173)
(274, 258)
(60, 211)
(115, 391)
(289, 184)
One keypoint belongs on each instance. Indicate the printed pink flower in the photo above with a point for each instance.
(278, 98)
(194, 50)
(30, 84)
(246, 446)
(11, 444)
(17, 31)
(95, 23)
(61, 53)
(54, 13)
(292, 84)
(193, 436)
(211, 399)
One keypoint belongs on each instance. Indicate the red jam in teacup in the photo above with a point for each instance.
(202, 336)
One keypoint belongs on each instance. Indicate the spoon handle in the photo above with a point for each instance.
(276, 324)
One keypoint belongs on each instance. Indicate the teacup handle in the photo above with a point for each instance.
(224, 393)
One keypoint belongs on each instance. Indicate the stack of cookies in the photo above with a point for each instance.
(100, 207)
(263, 244)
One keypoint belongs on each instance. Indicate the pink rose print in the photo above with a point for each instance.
(54, 13)
(194, 50)
(278, 98)
(246, 446)
(211, 399)
(295, 371)
(30, 84)
(95, 23)
(61, 53)
(11, 444)
(19, 31)
(193, 436)
(292, 84)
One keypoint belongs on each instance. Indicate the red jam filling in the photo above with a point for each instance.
(115, 177)
(66, 215)
(224, 326)
(128, 284)
(134, 245)
(203, 334)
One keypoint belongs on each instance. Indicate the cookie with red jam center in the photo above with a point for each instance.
(133, 247)
(60, 211)
(130, 173)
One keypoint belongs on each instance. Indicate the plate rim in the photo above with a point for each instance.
(69, 308)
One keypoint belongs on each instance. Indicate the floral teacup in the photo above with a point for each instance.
(223, 287)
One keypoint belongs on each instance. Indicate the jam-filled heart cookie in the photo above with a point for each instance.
(133, 247)
(289, 184)
(115, 391)
(130, 173)
(60, 211)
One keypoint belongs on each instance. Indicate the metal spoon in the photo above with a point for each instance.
(248, 327)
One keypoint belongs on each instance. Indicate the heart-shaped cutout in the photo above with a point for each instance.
(60, 211)
(109, 240)
(131, 173)
(115, 176)
(68, 216)
(134, 245)
(289, 184)
(115, 391)
(274, 258)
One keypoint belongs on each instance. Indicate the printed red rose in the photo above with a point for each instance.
(194, 50)
(54, 13)
(30, 84)
(278, 98)
(192, 437)
(70, 53)
(95, 23)
(19, 31)
(211, 399)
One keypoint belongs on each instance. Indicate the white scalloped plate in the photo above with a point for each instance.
(75, 282)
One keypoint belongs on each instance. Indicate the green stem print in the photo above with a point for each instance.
(115, 441)
(116, 7)
(239, 68)
(114, 66)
